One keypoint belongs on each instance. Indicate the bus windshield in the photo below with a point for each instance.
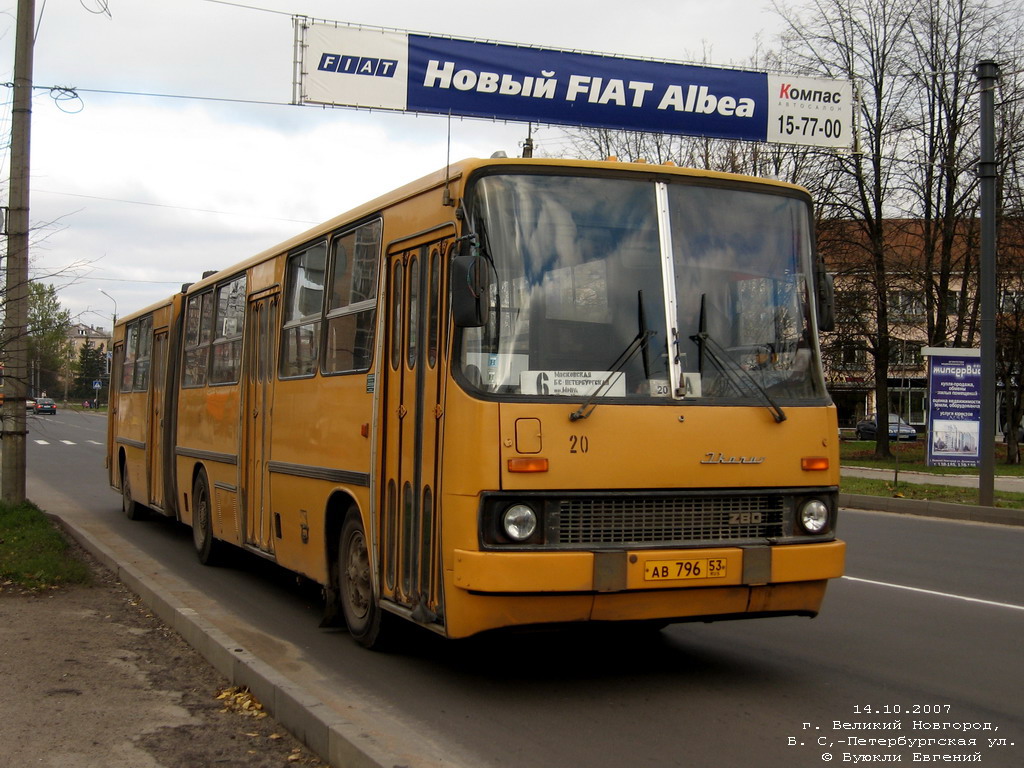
(646, 290)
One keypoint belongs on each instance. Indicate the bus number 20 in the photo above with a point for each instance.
(579, 444)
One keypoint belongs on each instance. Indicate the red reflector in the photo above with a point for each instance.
(528, 465)
(814, 463)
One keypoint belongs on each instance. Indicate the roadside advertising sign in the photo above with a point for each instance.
(381, 69)
(954, 413)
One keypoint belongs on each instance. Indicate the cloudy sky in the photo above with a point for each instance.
(135, 192)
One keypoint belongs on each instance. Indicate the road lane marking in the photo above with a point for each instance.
(937, 594)
(42, 442)
(68, 442)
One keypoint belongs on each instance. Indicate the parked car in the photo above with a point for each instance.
(1020, 434)
(898, 428)
(45, 405)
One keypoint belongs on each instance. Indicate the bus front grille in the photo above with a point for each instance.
(671, 520)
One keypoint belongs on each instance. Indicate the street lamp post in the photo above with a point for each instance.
(115, 311)
(108, 350)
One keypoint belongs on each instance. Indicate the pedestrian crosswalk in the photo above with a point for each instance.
(66, 442)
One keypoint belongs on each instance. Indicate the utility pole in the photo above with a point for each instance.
(15, 339)
(988, 172)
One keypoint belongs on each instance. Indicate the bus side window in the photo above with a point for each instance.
(229, 324)
(131, 346)
(352, 304)
(198, 331)
(142, 357)
(300, 337)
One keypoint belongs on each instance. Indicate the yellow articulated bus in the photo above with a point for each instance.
(513, 393)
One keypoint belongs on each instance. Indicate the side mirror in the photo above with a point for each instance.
(471, 288)
(826, 301)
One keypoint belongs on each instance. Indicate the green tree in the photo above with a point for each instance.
(48, 345)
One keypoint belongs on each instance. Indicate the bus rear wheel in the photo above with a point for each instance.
(131, 508)
(207, 549)
(355, 584)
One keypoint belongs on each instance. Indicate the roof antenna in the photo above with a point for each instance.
(446, 199)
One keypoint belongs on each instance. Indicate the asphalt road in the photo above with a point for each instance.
(918, 644)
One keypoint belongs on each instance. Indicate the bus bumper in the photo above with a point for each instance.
(497, 589)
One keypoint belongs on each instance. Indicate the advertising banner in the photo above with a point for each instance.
(381, 69)
(954, 414)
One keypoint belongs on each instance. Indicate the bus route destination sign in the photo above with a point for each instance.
(402, 71)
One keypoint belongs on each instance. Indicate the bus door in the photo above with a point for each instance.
(259, 391)
(158, 376)
(412, 419)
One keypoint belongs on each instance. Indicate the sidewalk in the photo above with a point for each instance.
(1002, 483)
(337, 725)
(92, 679)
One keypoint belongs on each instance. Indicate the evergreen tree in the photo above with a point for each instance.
(91, 366)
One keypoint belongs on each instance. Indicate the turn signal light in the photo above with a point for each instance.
(814, 463)
(531, 464)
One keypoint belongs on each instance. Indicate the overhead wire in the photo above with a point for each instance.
(247, 7)
(262, 217)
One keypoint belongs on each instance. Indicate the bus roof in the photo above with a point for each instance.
(145, 310)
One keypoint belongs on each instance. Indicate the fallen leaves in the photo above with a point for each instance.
(240, 701)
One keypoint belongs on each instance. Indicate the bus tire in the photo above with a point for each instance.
(207, 549)
(355, 584)
(131, 508)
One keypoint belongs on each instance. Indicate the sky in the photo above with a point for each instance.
(179, 150)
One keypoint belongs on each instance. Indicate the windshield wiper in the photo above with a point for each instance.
(729, 369)
(639, 342)
(589, 404)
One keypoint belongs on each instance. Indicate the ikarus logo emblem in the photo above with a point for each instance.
(715, 457)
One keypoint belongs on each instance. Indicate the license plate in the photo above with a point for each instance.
(673, 570)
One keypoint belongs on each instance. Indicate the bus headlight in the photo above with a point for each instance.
(814, 516)
(519, 522)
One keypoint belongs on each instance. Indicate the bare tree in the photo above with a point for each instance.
(860, 40)
(1010, 271)
(947, 38)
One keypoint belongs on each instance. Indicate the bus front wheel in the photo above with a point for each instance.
(202, 522)
(355, 584)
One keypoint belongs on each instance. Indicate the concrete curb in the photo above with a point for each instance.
(939, 509)
(339, 741)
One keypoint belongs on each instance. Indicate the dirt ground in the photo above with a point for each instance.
(91, 679)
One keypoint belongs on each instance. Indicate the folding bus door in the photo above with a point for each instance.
(158, 390)
(259, 389)
(412, 418)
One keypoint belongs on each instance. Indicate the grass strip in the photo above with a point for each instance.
(912, 456)
(33, 553)
(926, 492)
